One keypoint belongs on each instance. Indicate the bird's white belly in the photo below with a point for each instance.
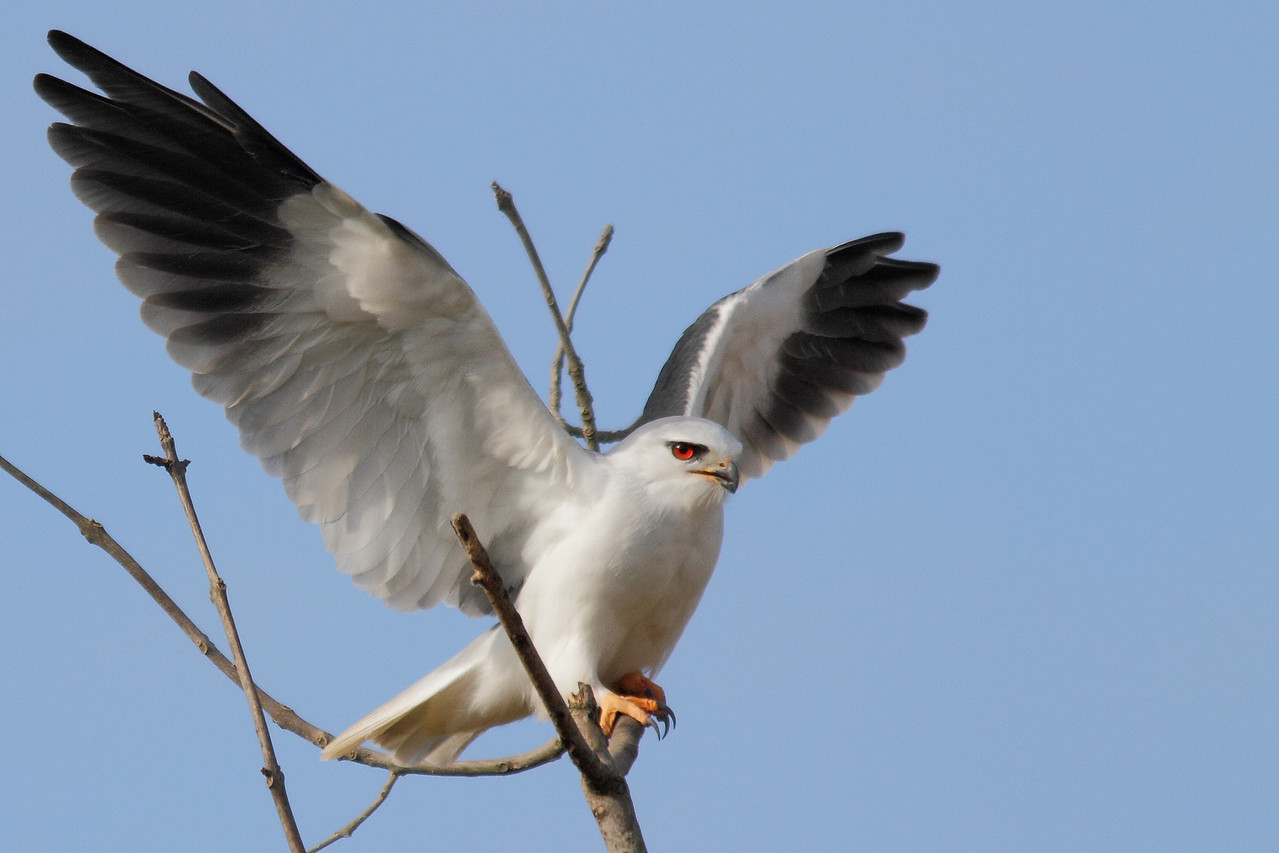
(605, 601)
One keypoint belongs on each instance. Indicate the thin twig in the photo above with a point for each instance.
(283, 716)
(557, 368)
(217, 591)
(603, 436)
(350, 828)
(550, 751)
(576, 371)
(601, 246)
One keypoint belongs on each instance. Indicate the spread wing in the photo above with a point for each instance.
(774, 362)
(355, 362)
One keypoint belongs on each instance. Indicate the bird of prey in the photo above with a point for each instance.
(363, 372)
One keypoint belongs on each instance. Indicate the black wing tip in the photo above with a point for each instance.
(924, 273)
(71, 51)
(876, 248)
(884, 243)
(216, 98)
(60, 39)
(46, 85)
(122, 87)
(198, 81)
(75, 52)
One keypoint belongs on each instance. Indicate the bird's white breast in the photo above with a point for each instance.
(615, 590)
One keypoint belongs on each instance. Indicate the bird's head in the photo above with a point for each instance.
(686, 459)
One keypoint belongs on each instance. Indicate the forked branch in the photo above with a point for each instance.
(283, 716)
(576, 372)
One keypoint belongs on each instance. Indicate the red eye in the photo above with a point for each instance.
(683, 450)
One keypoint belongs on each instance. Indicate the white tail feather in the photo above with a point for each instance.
(439, 716)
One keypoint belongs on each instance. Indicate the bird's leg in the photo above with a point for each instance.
(638, 698)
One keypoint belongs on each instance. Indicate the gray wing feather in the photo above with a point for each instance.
(354, 361)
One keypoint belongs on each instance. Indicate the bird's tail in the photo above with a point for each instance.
(439, 716)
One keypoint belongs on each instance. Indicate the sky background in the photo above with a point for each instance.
(1023, 597)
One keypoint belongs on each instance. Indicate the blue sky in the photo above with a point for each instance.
(1023, 597)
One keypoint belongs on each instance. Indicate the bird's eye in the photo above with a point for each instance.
(683, 450)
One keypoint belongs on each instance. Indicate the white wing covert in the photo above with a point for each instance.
(775, 361)
(357, 365)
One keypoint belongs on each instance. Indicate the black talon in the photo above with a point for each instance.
(667, 716)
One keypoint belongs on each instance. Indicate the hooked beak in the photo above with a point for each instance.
(725, 473)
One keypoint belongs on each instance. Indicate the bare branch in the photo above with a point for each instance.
(577, 721)
(613, 808)
(217, 591)
(350, 828)
(544, 754)
(281, 714)
(623, 745)
(557, 367)
(576, 371)
(620, 751)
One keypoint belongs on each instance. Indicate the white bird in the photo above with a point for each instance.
(362, 371)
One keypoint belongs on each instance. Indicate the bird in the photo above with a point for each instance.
(363, 372)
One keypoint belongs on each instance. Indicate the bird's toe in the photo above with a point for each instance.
(640, 699)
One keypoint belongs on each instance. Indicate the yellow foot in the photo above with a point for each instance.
(638, 698)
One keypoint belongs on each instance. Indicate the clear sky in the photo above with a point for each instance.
(1023, 597)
